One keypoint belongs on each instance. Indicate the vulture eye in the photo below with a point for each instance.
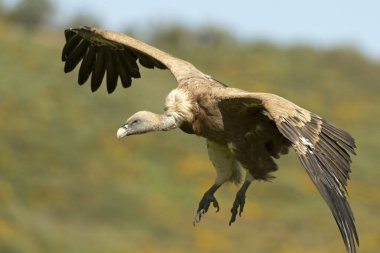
(135, 122)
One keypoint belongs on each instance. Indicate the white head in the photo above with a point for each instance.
(144, 121)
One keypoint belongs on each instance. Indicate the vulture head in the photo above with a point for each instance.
(144, 121)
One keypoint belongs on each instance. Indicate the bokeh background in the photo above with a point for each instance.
(68, 185)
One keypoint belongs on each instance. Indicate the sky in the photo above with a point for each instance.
(323, 23)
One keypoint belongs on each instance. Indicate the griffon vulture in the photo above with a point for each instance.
(243, 130)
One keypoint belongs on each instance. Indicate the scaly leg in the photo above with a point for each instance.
(239, 201)
(205, 202)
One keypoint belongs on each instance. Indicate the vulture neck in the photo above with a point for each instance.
(165, 122)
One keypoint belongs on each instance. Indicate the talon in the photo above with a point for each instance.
(237, 208)
(234, 211)
(241, 209)
(205, 202)
(215, 204)
(198, 216)
(239, 202)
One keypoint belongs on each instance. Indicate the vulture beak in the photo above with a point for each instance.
(122, 131)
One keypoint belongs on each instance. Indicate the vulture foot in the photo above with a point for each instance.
(239, 202)
(205, 202)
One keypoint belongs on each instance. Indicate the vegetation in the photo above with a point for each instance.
(32, 13)
(67, 184)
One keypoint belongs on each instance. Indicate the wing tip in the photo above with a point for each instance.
(335, 199)
(328, 163)
(104, 40)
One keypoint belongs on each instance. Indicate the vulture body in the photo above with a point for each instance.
(244, 130)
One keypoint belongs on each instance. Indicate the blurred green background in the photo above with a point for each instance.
(68, 185)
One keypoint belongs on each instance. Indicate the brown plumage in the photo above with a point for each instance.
(242, 129)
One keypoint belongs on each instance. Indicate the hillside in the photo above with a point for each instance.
(68, 185)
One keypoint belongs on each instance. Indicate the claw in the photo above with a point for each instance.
(238, 206)
(204, 206)
(216, 205)
(205, 202)
(198, 216)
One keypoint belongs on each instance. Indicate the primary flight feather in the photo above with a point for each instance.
(243, 130)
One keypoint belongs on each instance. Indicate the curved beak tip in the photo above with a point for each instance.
(121, 132)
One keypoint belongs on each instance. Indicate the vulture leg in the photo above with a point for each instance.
(239, 202)
(205, 202)
(227, 170)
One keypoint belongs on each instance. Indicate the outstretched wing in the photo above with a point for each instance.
(114, 55)
(322, 148)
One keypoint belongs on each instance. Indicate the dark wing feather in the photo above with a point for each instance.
(322, 148)
(129, 60)
(123, 70)
(112, 74)
(328, 165)
(117, 54)
(76, 55)
(87, 65)
(69, 34)
(99, 69)
(71, 42)
(145, 60)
